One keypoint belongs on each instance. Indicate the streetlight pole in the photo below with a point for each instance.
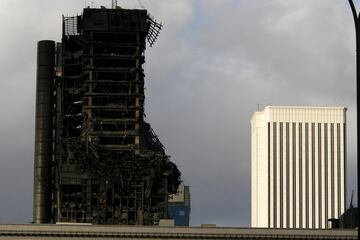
(357, 33)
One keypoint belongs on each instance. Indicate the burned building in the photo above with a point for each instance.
(96, 159)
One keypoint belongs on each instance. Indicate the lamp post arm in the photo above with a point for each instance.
(357, 34)
(353, 10)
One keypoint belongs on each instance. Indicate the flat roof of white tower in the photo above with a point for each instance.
(315, 114)
(307, 107)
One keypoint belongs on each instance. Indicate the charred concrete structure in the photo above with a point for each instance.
(96, 159)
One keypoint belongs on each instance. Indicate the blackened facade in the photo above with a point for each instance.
(107, 166)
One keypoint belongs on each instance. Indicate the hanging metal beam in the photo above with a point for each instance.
(114, 4)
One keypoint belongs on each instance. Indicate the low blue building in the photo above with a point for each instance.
(179, 206)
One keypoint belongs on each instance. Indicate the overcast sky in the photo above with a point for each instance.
(214, 64)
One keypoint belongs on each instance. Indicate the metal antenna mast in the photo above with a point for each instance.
(113, 3)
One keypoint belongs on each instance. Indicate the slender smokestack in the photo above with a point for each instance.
(43, 131)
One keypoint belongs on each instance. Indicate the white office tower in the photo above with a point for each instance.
(298, 157)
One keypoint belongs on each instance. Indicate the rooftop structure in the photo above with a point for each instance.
(35, 232)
